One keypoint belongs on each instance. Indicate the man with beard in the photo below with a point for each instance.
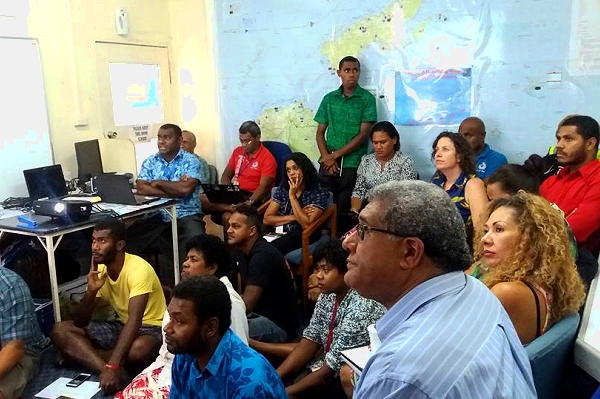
(576, 188)
(210, 360)
(206, 255)
(268, 286)
(132, 288)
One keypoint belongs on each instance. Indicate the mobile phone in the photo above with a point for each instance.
(77, 381)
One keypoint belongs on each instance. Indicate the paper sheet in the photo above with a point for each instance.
(59, 387)
(357, 357)
(273, 236)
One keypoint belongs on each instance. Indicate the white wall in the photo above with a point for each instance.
(67, 31)
(194, 73)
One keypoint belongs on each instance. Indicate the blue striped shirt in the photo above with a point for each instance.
(155, 167)
(449, 337)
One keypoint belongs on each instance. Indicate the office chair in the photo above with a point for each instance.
(549, 353)
(280, 151)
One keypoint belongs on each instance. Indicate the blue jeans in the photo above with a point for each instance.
(262, 329)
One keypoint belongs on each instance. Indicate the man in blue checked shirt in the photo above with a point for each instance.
(171, 172)
(20, 336)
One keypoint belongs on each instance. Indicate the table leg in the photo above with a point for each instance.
(49, 246)
(173, 213)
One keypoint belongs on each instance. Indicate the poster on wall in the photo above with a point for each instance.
(136, 94)
(432, 96)
(584, 46)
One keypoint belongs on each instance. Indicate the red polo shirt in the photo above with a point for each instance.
(247, 170)
(577, 194)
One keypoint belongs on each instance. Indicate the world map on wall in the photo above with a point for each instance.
(276, 60)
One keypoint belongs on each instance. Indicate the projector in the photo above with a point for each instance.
(75, 211)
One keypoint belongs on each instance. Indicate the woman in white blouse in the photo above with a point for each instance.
(385, 164)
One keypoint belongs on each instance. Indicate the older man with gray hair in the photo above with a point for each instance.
(445, 334)
(188, 143)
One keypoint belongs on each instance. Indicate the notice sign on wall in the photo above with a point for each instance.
(140, 133)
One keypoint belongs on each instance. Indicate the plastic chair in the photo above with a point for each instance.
(213, 175)
(300, 259)
(280, 151)
(549, 353)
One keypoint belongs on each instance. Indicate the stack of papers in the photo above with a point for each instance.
(273, 236)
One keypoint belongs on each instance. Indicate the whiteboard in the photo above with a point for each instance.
(587, 345)
(25, 135)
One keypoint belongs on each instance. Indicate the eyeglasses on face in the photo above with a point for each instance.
(361, 228)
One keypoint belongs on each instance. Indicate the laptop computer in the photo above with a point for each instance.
(45, 182)
(225, 193)
(115, 189)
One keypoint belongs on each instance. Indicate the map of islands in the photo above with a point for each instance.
(292, 124)
(385, 29)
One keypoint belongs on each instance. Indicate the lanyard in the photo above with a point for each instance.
(332, 324)
(243, 165)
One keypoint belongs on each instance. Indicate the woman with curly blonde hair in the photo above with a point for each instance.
(524, 257)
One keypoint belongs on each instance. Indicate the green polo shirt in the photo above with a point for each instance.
(343, 116)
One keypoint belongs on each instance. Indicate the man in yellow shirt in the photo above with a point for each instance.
(132, 288)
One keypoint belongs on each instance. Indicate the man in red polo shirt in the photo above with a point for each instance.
(576, 188)
(251, 166)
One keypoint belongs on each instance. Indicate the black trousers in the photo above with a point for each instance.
(154, 234)
(341, 186)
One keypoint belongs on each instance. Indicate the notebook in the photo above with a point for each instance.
(225, 194)
(357, 357)
(116, 189)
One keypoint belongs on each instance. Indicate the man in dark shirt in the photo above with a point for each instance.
(268, 292)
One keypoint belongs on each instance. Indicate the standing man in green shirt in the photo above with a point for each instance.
(345, 117)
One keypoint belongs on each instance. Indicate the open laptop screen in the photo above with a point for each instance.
(45, 182)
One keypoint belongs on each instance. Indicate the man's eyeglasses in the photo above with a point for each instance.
(362, 228)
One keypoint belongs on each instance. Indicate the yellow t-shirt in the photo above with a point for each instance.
(136, 278)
